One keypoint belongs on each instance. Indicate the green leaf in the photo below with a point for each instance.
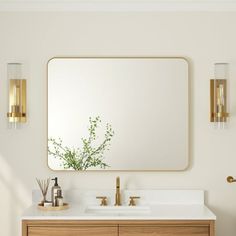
(88, 155)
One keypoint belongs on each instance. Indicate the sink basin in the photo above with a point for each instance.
(118, 210)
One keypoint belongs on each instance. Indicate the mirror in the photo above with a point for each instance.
(143, 100)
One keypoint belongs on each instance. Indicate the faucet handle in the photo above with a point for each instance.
(132, 200)
(103, 200)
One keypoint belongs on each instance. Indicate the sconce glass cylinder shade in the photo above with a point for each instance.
(218, 94)
(17, 95)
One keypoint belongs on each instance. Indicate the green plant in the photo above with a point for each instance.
(90, 155)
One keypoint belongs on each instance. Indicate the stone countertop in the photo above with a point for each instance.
(157, 212)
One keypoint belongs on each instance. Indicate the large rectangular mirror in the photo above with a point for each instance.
(143, 100)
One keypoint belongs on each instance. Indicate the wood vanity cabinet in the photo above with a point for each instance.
(117, 228)
(168, 228)
(67, 228)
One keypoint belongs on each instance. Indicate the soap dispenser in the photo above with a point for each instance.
(55, 189)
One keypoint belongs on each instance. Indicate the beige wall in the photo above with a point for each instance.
(33, 38)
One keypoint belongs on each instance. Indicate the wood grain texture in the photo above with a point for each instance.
(212, 228)
(164, 231)
(116, 222)
(118, 228)
(24, 228)
(73, 231)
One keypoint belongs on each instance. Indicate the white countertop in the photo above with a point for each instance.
(158, 212)
(164, 205)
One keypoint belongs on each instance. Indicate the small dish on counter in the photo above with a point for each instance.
(53, 208)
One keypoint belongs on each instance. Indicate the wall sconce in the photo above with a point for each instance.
(218, 95)
(17, 95)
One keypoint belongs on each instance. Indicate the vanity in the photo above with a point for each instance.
(134, 87)
(157, 213)
(117, 227)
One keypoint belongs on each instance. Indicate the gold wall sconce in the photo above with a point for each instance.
(218, 95)
(17, 95)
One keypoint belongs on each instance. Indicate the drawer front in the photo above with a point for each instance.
(164, 231)
(72, 231)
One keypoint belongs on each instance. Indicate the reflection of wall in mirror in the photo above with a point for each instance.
(145, 101)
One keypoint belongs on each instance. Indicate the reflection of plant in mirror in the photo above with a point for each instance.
(90, 155)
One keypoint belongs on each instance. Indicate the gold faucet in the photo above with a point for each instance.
(118, 195)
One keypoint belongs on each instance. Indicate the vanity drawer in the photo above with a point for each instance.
(164, 230)
(72, 231)
(118, 228)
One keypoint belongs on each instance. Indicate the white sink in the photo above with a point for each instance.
(118, 210)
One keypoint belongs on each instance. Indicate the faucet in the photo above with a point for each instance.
(118, 195)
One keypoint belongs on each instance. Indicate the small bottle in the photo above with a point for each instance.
(55, 188)
(59, 198)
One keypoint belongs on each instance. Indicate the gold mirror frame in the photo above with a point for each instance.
(129, 57)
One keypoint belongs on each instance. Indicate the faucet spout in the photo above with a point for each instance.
(118, 195)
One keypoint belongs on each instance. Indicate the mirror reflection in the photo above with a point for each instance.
(118, 113)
